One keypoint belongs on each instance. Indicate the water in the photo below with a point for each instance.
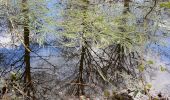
(51, 53)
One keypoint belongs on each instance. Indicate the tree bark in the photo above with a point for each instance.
(80, 90)
(126, 5)
(27, 74)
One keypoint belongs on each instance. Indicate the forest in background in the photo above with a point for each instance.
(84, 49)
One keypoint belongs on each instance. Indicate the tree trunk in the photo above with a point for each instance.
(80, 90)
(27, 74)
(126, 5)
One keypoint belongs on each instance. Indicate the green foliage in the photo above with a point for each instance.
(141, 67)
(148, 86)
(150, 62)
(95, 26)
(39, 21)
(13, 76)
(135, 93)
(86, 25)
(106, 93)
(166, 5)
(162, 68)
